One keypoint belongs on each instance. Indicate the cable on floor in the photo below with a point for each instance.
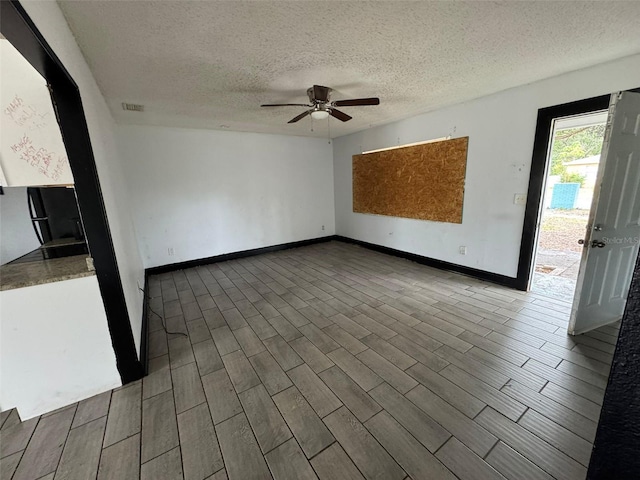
(164, 327)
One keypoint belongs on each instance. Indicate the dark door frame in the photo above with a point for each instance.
(17, 28)
(541, 146)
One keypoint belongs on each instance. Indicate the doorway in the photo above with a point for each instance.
(604, 271)
(18, 29)
(572, 167)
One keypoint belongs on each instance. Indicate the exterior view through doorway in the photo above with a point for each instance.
(579, 207)
(572, 168)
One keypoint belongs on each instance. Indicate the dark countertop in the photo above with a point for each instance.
(27, 274)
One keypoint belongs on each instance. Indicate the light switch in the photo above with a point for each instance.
(520, 199)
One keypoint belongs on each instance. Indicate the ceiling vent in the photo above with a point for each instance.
(132, 107)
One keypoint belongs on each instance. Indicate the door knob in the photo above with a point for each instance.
(597, 243)
(581, 241)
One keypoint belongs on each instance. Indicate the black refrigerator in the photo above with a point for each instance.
(56, 221)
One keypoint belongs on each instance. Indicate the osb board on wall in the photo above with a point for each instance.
(425, 181)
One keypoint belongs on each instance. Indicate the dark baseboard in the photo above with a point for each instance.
(498, 279)
(144, 331)
(233, 255)
(510, 282)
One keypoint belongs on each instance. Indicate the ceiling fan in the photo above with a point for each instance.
(321, 105)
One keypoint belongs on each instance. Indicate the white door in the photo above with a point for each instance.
(613, 231)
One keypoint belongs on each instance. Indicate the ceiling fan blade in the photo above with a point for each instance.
(339, 115)
(300, 117)
(286, 105)
(357, 102)
(320, 93)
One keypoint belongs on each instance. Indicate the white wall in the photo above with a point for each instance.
(56, 350)
(501, 129)
(205, 192)
(28, 125)
(17, 237)
(53, 26)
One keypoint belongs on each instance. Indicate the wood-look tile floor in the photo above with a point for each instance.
(334, 362)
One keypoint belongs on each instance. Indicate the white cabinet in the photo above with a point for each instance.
(31, 149)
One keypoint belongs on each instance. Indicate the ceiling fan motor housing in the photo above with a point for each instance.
(314, 97)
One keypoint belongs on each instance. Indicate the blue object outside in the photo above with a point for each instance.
(565, 196)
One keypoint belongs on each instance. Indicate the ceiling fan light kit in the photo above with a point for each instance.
(321, 105)
(319, 114)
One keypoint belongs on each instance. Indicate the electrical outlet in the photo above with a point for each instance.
(322, 227)
(463, 250)
(520, 199)
(170, 251)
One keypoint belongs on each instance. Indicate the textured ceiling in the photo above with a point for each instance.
(211, 64)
